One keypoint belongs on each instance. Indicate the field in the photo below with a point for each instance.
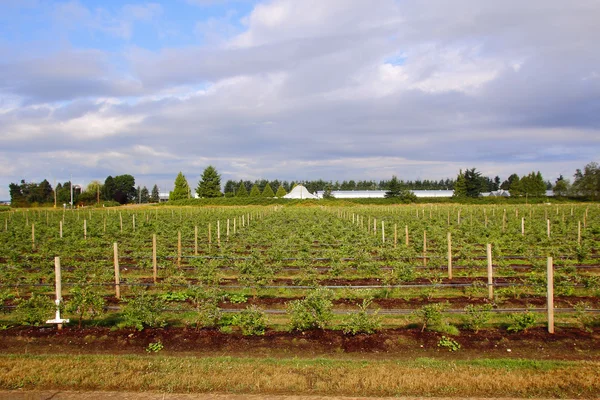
(423, 289)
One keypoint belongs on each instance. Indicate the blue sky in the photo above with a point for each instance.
(289, 89)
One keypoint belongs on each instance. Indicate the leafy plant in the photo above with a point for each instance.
(584, 317)
(35, 310)
(206, 303)
(312, 312)
(477, 316)
(85, 301)
(155, 347)
(521, 322)
(449, 343)
(362, 321)
(143, 310)
(237, 298)
(430, 314)
(252, 321)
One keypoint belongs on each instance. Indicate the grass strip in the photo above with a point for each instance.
(419, 377)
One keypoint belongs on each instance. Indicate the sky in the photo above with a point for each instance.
(296, 89)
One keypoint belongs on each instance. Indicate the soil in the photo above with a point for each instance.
(564, 344)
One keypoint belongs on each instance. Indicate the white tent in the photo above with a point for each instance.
(300, 192)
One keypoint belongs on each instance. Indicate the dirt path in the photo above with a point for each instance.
(60, 395)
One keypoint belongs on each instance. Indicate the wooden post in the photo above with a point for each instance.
(458, 218)
(117, 272)
(234, 228)
(154, 265)
(504, 220)
(424, 248)
(522, 226)
(58, 286)
(195, 240)
(395, 235)
(104, 224)
(121, 222)
(178, 249)
(550, 299)
(33, 236)
(133, 221)
(60, 228)
(382, 232)
(85, 229)
(449, 255)
(406, 234)
(228, 229)
(490, 272)
(210, 234)
(548, 223)
(218, 233)
(369, 225)
(579, 233)
(374, 226)
(243, 221)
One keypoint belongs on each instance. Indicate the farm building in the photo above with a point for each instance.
(380, 194)
(300, 192)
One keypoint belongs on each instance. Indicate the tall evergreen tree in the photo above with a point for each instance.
(255, 192)
(460, 186)
(280, 192)
(155, 196)
(181, 189)
(475, 182)
(242, 191)
(145, 195)
(394, 188)
(210, 183)
(268, 191)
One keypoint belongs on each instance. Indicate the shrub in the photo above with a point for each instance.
(449, 343)
(585, 319)
(252, 321)
(312, 312)
(477, 316)
(85, 301)
(362, 321)
(206, 303)
(430, 314)
(34, 311)
(522, 321)
(143, 310)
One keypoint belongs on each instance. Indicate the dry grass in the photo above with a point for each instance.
(422, 377)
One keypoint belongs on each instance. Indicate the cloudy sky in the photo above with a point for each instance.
(296, 89)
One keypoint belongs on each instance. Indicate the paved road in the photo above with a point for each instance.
(60, 395)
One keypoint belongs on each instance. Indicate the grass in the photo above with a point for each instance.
(419, 377)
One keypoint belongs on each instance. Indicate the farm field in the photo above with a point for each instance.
(376, 284)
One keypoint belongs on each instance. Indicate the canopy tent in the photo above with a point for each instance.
(300, 192)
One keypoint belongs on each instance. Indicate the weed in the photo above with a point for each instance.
(521, 322)
(252, 321)
(477, 316)
(362, 321)
(449, 343)
(155, 347)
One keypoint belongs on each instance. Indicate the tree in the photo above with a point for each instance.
(109, 188)
(280, 192)
(155, 196)
(181, 190)
(327, 192)
(460, 187)
(587, 182)
(475, 182)
(561, 187)
(242, 191)
(229, 188)
(394, 188)
(124, 189)
(255, 192)
(210, 183)
(94, 188)
(145, 195)
(268, 191)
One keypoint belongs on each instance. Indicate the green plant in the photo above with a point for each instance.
(34, 310)
(430, 314)
(143, 310)
(85, 301)
(312, 312)
(206, 303)
(521, 322)
(252, 321)
(584, 317)
(449, 343)
(155, 347)
(237, 298)
(362, 321)
(477, 316)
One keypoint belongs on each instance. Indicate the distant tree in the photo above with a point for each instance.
(95, 188)
(507, 183)
(561, 187)
(268, 191)
(255, 192)
(587, 182)
(16, 195)
(181, 189)
(516, 187)
(109, 188)
(497, 182)
(280, 192)
(460, 187)
(475, 182)
(327, 192)
(229, 189)
(394, 188)
(155, 196)
(145, 195)
(210, 183)
(124, 189)
(242, 191)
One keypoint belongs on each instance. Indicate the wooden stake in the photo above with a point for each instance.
(579, 233)
(195, 240)
(154, 264)
(117, 272)
(133, 221)
(424, 248)
(228, 229)
(550, 298)
(210, 234)
(104, 225)
(121, 222)
(382, 232)
(33, 236)
(60, 228)
(234, 229)
(548, 223)
(178, 249)
(58, 286)
(218, 233)
(395, 235)
(449, 255)
(522, 226)
(85, 229)
(406, 234)
(490, 272)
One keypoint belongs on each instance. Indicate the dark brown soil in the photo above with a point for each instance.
(565, 344)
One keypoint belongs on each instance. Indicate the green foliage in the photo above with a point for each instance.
(143, 310)
(210, 183)
(280, 192)
(252, 321)
(35, 310)
(155, 195)
(181, 189)
(398, 190)
(460, 187)
(362, 321)
(155, 347)
(476, 317)
(242, 191)
(268, 191)
(255, 191)
(587, 182)
(206, 304)
(584, 317)
(448, 343)
(430, 315)
(312, 312)
(85, 301)
(237, 298)
(521, 322)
